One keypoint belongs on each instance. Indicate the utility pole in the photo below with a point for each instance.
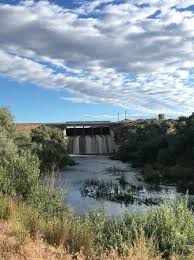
(125, 115)
(118, 117)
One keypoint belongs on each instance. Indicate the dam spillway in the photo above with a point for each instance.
(91, 144)
(90, 139)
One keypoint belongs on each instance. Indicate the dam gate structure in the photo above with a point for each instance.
(89, 137)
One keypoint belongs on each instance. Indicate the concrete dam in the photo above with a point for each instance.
(90, 137)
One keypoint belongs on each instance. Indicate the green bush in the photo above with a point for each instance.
(51, 148)
(177, 173)
(7, 121)
(82, 235)
(20, 166)
(150, 174)
(171, 227)
(5, 207)
(56, 231)
(166, 157)
(19, 172)
(48, 202)
(29, 218)
(166, 145)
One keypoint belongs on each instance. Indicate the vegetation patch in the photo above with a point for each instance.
(164, 149)
(116, 192)
(168, 229)
(115, 170)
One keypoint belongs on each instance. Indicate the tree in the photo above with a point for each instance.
(19, 172)
(7, 120)
(51, 148)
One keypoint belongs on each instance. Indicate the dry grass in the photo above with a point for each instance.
(36, 249)
(12, 249)
(24, 234)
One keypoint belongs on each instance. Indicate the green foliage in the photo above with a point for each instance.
(19, 172)
(48, 202)
(7, 121)
(20, 168)
(56, 231)
(170, 226)
(150, 174)
(179, 172)
(24, 142)
(164, 149)
(42, 133)
(5, 208)
(50, 148)
(29, 218)
(82, 234)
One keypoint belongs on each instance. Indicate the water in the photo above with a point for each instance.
(71, 180)
(97, 144)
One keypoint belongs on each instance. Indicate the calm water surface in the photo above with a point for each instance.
(71, 180)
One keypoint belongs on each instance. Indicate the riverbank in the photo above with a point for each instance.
(12, 249)
(162, 149)
(164, 231)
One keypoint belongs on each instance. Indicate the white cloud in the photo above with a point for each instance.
(103, 52)
(101, 117)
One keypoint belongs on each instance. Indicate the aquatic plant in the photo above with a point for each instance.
(111, 191)
(115, 170)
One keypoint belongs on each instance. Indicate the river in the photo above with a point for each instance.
(71, 182)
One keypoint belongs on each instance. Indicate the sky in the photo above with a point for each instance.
(68, 60)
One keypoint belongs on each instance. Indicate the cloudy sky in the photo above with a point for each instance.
(82, 60)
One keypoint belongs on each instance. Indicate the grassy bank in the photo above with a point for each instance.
(12, 249)
(164, 231)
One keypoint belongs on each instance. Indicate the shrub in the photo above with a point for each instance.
(56, 231)
(28, 218)
(177, 173)
(51, 148)
(150, 174)
(166, 156)
(82, 235)
(5, 207)
(7, 121)
(171, 227)
(19, 231)
(19, 172)
(48, 202)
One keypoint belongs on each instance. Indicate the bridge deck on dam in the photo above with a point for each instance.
(27, 127)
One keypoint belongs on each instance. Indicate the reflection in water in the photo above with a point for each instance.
(95, 167)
